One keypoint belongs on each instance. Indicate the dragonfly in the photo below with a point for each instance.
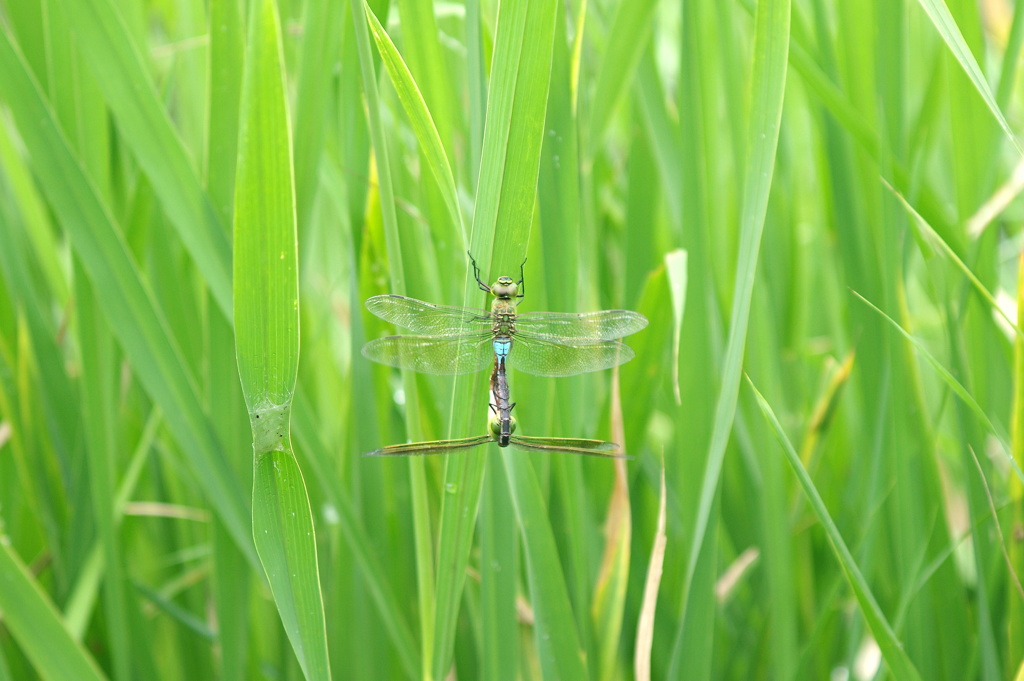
(501, 430)
(454, 340)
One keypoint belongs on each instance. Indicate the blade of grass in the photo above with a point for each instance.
(954, 385)
(555, 636)
(1015, 626)
(892, 649)
(954, 39)
(645, 623)
(266, 295)
(421, 120)
(130, 309)
(320, 46)
(34, 622)
(628, 36)
(927, 235)
(146, 127)
(414, 430)
(227, 60)
(771, 47)
(506, 191)
(98, 374)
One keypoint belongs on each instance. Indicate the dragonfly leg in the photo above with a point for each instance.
(522, 278)
(476, 274)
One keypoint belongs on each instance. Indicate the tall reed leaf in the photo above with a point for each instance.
(37, 626)
(420, 118)
(129, 306)
(507, 186)
(771, 49)
(950, 33)
(892, 649)
(146, 127)
(266, 295)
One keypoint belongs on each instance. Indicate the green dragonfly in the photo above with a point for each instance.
(501, 430)
(460, 340)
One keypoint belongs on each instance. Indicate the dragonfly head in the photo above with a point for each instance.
(505, 288)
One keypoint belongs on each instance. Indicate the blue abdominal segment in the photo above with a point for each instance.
(502, 346)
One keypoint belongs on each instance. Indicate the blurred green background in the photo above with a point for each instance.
(812, 201)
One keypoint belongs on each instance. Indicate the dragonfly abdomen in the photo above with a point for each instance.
(502, 346)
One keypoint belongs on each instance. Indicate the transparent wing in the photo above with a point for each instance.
(431, 447)
(571, 326)
(545, 358)
(570, 445)
(427, 318)
(433, 354)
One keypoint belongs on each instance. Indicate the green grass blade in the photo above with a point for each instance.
(146, 127)
(892, 650)
(927, 235)
(771, 47)
(320, 46)
(421, 511)
(954, 384)
(954, 39)
(267, 342)
(98, 373)
(227, 60)
(35, 623)
(675, 268)
(422, 122)
(130, 309)
(1015, 627)
(628, 36)
(507, 185)
(557, 644)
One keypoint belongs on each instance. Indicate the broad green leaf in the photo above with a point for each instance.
(266, 297)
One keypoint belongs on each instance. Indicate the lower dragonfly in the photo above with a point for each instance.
(460, 340)
(501, 430)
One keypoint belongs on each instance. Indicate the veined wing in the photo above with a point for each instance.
(542, 357)
(571, 326)
(431, 447)
(570, 445)
(427, 318)
(433, 354)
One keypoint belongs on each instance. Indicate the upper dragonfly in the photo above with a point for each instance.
(460, 340)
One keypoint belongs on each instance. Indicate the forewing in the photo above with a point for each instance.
(432, 354)
(571, 326)
(427, 318)
(432, 447)
(541, 357)
(569, 445)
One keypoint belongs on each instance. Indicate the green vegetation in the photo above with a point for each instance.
(814, 203)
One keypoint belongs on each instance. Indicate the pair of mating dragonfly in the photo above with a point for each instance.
(460, 340)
